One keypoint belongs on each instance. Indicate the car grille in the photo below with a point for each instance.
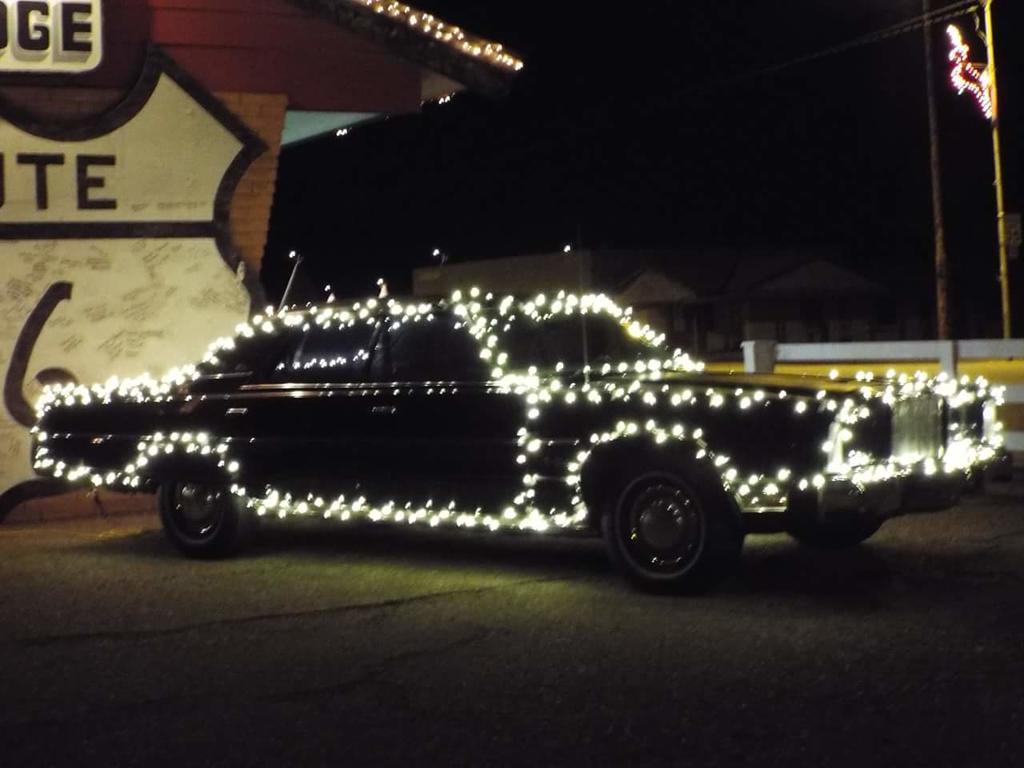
(918, 427)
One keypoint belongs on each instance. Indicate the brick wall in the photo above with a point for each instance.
(250, 208)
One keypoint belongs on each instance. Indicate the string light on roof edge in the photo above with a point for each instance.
(432, 27)
(967, 76)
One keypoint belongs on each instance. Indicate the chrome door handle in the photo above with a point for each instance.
(237, 411)
(383, 410)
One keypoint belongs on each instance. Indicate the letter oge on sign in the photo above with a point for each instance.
(50, 35)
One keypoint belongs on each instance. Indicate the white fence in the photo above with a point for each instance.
(761, 357)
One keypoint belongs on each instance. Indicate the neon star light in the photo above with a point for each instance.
(966, 76)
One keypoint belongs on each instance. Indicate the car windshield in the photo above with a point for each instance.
(561, 340)
(257, 354)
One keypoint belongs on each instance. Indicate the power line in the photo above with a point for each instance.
(939, 15)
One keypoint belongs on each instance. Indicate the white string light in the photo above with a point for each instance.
(647, 384)
(449, 34)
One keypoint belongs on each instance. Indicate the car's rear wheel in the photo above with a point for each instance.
(666, 532)
(204, 520)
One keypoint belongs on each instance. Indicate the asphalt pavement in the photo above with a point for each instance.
(327, 646)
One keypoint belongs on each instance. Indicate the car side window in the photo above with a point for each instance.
(257, 356)
(330, 355)
(435, 351)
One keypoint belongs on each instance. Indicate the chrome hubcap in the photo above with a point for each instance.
(663, 528)
(663, 524)
(198, 509)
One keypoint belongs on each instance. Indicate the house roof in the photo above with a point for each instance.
(714, 273)
(651, 286)
(424, 39)
(642, 277)
(817, 276)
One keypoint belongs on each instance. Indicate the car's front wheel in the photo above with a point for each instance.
(203, 520)
(668, 533)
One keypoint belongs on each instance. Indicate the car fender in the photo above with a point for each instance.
(610, 463)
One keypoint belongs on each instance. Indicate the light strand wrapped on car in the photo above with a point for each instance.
(572, 414)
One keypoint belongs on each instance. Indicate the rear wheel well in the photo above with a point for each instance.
(205, 521)
(173, 468)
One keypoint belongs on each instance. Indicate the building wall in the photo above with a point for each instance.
(263, 113)
(141, 272)
(90, 290)
(254, 46)
(63, 104)
(250, 207)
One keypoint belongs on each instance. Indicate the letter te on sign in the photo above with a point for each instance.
(86, 182)
(41, 162)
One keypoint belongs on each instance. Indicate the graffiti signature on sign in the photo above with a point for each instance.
(129, 211)
(17, 368)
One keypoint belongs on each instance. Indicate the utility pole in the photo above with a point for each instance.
(942, 325)
(1004, 245)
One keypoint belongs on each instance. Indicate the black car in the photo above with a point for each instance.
(559, 413)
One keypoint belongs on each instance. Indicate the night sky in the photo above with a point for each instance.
(656, 126)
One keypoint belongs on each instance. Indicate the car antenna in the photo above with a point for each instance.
(292, 256)
(583, 317)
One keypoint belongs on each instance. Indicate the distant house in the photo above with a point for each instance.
(707, 301)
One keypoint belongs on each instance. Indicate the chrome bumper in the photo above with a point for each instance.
(841, 499)
(838, 499)
(914, 492)
(1000, 468)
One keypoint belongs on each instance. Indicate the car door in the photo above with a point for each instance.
(304, 426)
(227, 402)
(451, 433)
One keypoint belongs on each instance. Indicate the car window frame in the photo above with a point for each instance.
(484, 377)
(548, 367)
(290, 376)
(252, 373)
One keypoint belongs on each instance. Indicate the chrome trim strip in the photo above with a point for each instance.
(377, 386)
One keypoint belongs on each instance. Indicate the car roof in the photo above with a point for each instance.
(474, 300)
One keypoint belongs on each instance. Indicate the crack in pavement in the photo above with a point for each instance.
(375, 670)
(145, 634)
(1000, 536)
(959, 577)
(370, 673)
